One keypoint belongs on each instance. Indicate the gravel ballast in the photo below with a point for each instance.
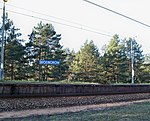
(17, 104)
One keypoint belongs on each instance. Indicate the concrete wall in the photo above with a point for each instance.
(28, 89)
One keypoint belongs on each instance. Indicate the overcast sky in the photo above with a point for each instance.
(68, 12)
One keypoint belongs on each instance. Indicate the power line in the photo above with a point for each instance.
(71, 22)
(117, 13)
(42, 14)
(81, 28)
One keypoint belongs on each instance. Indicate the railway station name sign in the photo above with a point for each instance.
(49, 62)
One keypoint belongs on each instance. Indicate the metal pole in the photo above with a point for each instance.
(2, 45)
(132, 62)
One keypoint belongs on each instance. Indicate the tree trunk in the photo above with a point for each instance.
(12, 70)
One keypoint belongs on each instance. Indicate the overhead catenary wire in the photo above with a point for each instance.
(117, 13)
(79, 26)
(76, 27)
(83, 27)
(65, 20)
(94, 30)
(72, 22)
(42, 14)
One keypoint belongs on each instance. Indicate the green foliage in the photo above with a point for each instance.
(114, 66)
(117, 61)
(138, 58)
(85, 66)
(114, 62)
(146, 69)
(44, 45)
(14, 51)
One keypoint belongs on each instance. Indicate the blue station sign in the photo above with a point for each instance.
(49, 62)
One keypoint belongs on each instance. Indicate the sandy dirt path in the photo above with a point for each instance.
(51, 111)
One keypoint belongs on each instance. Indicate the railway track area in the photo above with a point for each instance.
(28, 103)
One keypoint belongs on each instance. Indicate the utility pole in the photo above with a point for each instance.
(132, 62)
(2, 44)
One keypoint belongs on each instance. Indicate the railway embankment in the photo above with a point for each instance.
(27, 103)
(31, 89)
(25, 96)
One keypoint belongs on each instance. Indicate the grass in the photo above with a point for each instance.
(60, 82)
(48, 82)
(134, 112)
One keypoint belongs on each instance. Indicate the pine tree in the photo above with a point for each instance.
(114, 62)
(44, 45)
(146, 69)
(85, 66)
(138, 59)
(145, 73)
(14, 51)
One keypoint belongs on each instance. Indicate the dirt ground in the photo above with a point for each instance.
(51, 111)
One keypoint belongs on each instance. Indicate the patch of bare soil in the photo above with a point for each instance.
(51, 111)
